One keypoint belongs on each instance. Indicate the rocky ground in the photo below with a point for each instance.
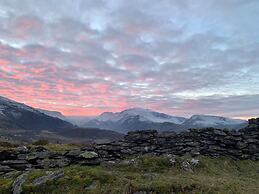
(147, 174)
(167, 151)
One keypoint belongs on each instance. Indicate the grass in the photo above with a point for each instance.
(62, 147)
(150, 173)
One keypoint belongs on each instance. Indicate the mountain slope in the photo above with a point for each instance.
(141, 119)
(75, 120)
(136, 119)
(202, 121)
(22, 123)
(14, 115)
(144, 115)
(55, 114)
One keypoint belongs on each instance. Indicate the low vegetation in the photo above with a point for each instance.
(40, 142)
(151, 174)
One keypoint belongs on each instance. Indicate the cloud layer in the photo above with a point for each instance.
(84, 57)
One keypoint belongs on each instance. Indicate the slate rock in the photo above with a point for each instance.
(13, 162)
(194, 162)
(38, 155)
(186, 166)
(7, 155)
(89, 162)
(19, 181)
(88, 155)
(73, 153)
(17, 164)
(253, 149)
(5, 169)
(53, 163)
(51, 176)
(241, 145)
(22, 150)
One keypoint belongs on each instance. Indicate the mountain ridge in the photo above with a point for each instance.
(19, 115)
(141, 119)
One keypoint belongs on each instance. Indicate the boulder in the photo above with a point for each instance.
(88, 155)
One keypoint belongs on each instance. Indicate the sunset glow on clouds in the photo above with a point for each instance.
(84, 57)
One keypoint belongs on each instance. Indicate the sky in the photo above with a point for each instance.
(85, 57)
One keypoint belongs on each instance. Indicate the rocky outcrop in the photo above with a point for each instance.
(243, 144)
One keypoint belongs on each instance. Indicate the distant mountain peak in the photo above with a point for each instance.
(142, 113)
(213, 121)
(141, 118)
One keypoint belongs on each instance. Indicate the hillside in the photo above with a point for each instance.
(21, 123)
(14, 115)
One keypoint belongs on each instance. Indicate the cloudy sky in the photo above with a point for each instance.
(83, 57)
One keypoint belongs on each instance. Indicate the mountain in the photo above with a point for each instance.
(202, 121)
(22, 123)
(145, 115)
(140, 119)
(39, 123)
(14, 115)
(136, 119)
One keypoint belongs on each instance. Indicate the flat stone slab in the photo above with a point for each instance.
(49, 177)
(19, 181)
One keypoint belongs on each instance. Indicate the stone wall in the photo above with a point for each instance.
(243, 144)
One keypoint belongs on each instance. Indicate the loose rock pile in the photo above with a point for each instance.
(243, 144)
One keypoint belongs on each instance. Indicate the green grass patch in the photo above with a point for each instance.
(151, 173)
(62, 147)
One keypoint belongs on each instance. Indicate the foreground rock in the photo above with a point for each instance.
(19, 181)
(5, 169)
(51, 176)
